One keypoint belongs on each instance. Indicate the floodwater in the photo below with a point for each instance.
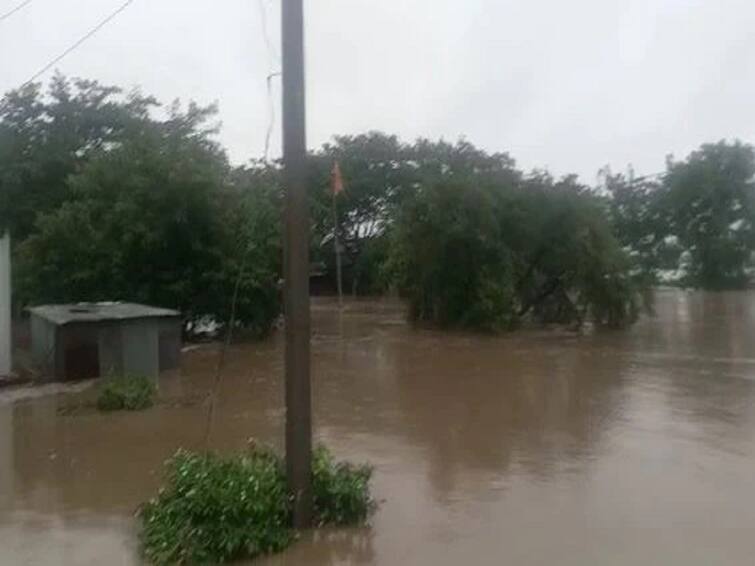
(540, 447)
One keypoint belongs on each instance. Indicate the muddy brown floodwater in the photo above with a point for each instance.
(539, 447)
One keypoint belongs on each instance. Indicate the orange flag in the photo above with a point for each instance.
(336, 179)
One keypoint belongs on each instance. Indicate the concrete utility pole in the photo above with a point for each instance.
(296, 266)
(5, 318)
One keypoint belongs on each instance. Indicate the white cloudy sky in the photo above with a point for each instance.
(568, 85)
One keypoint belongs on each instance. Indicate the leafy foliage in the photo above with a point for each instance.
(44, 139)
(468, 238)
(695, 222)
(369, 276)
(571, 267)
(251, 261)
(381, 176)
(639, 216)
(216, 509)
(375, 172)
(127, 393)
(711, 203)
(146, 203)
(123, 206)
(341, 490)
(486, 247)
(449, 260)
(110, 196)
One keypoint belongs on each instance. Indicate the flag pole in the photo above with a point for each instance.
(337, 245)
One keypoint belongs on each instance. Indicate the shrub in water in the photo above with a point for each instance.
(341, 490)
(126, 393)
(215, 509)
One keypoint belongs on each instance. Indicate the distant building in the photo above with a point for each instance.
(87, 340)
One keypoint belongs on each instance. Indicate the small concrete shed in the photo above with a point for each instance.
(87, 340)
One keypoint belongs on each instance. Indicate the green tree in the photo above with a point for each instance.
(44, 138)
(381, 176)
(158, 218)
(375, 172)
(481, 245)
(571, 267)
(449, 259)
(640, 218)
(711, 204)
(252, 260)
(138, 223)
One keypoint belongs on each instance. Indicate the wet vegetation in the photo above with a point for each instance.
(109, 195)
(487, 253)
(695, 224)
(216, 509)
(341, 490)
(127, 393)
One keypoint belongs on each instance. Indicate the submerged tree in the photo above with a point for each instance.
(381, 175)
(711, 207)
(486, 247)
(450, 260)
(640, 218)
(571, 266)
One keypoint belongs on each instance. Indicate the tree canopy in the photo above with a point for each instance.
(491, 251)
(711, 209)
(111, 195)
(695, 223)
(106, 202)
(44, 138)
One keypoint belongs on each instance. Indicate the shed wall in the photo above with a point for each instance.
(43, 344)
(140, 348)
(90, 349)
(170, 343)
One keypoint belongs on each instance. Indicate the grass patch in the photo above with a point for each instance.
(216, 509)
(126, 394)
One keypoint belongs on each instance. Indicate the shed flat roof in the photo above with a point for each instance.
(99, 312)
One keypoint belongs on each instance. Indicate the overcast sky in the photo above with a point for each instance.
(567, 85)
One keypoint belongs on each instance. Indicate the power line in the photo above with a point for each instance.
(12, 11)
(272, 52)
(271, 74)
(271, 105)
(81, 40)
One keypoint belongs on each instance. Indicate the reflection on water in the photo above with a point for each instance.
(532, 448)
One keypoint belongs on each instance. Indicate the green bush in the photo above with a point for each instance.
(341, 490)
(126, 394)
(216, 509)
